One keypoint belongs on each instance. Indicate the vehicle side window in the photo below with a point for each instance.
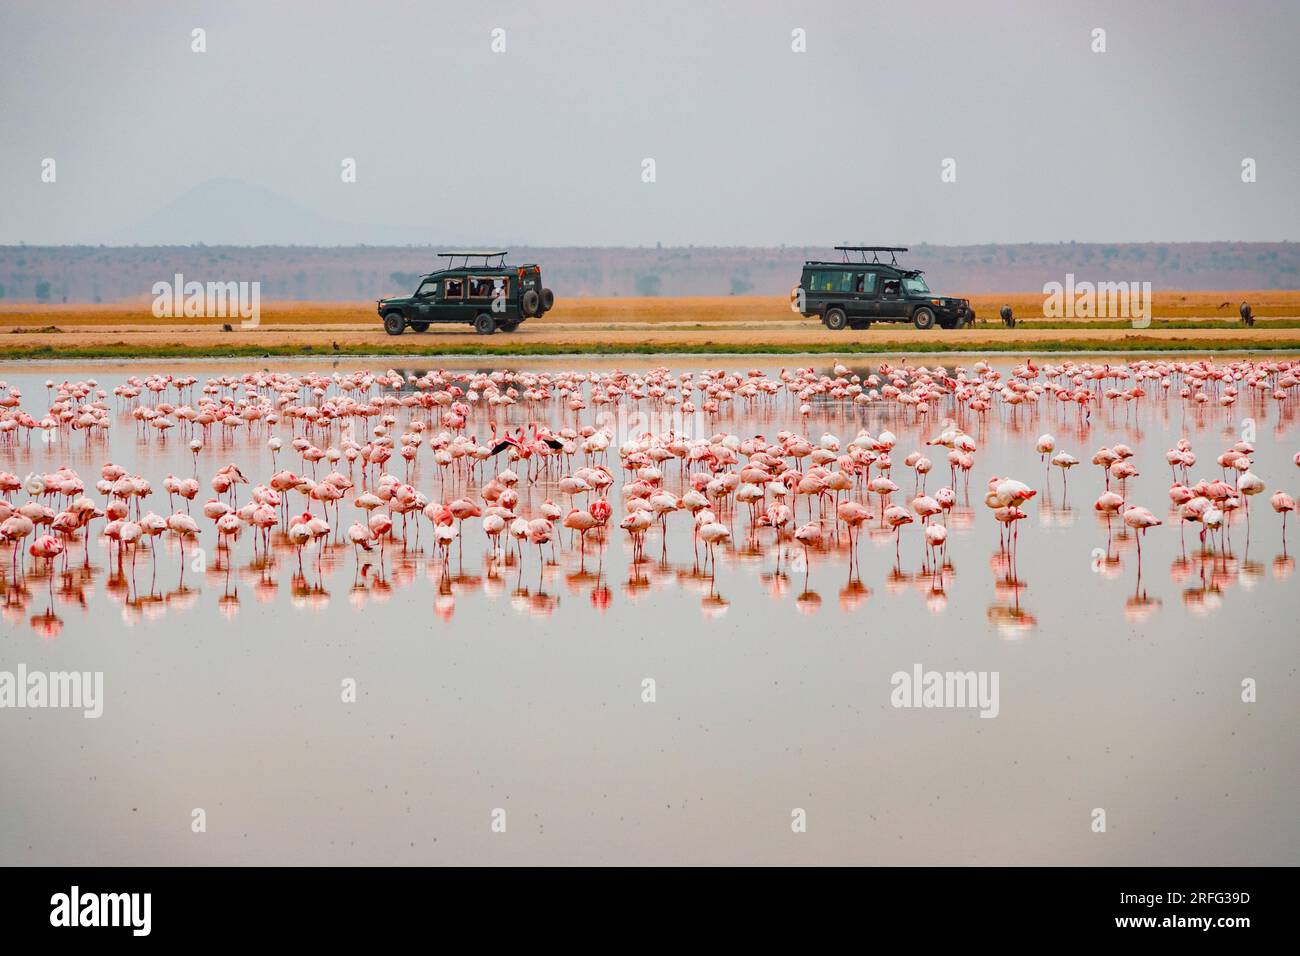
(428, 289)
(890, 287)
(455, 289)
(829, 281)
(865, 283)
(480, 287)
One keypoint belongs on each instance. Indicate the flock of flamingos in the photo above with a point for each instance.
(546, 467)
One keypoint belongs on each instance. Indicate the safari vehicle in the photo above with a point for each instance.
(489, 295)
(853, 294)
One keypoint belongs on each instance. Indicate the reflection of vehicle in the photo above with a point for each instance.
(855, 294)
(490, 296)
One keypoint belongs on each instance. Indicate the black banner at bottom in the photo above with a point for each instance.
(336, 905)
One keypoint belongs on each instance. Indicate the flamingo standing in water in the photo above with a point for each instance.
(1004, 497)
(936, 535)
(539, 533)
(15, 529)
(713, 533)
(809, 536)
(1045, 446)
(853, 514)
(580, 521)
(46, 548)
(1283, 504)
(896, 516)
(636, 524)
(1140, 519)
(359, 537)
(183, 526)
(1064, 461)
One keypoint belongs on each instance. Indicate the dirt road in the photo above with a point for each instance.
(737, 324)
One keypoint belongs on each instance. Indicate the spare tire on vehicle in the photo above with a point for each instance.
(548, 300)
(531, 302)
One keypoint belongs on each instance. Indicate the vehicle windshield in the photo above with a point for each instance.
(915, 285)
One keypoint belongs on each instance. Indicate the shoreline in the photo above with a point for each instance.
(886, 352)
(719, 326)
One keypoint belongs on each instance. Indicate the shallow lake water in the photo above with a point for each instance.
(518, 681)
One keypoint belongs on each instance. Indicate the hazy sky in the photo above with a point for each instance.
(753, 144)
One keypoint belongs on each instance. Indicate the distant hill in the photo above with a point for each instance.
(229, 211)
(118, 273)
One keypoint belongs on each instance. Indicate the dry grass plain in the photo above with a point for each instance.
(1193, 321)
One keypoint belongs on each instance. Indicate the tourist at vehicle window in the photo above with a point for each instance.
(455, 289)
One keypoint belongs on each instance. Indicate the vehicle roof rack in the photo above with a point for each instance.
(874, 250)
(468, 254)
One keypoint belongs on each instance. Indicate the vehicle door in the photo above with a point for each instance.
(478, 294)
(865, 300)
(893, 303)
(821, 289)
(424, 302)
(452, 307)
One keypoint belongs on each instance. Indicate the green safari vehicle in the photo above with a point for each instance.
(853, 294)
(488, 295)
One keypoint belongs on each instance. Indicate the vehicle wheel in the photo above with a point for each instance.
(836, 320)
(859, 324)
(484, 324)
(509, 326)
(420, 326)
(531, 302)
(394, 324)
(548, 300)
(923, 318)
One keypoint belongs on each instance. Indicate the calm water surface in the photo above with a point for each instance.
(518, 684)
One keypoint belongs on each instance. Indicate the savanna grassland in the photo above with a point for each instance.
(1183, 321)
